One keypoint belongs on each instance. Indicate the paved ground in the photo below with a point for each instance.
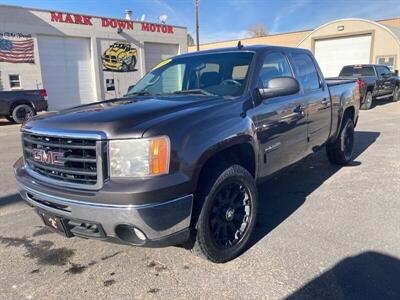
(324, 232)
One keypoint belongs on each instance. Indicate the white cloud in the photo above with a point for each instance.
(286, 12)
(218, 36)
(174, 15)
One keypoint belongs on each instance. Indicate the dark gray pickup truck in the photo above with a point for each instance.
(377, 82)
(179, 157)
(19, 106)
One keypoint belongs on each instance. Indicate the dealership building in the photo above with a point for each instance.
(339, 43)
(78, 58)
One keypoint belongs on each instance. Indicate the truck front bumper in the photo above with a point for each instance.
(162, 223)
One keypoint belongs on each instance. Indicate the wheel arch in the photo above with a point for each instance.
(240, 150)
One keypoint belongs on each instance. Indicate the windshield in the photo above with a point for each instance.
(222, 74)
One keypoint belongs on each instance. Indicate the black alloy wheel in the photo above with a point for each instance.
(230, 214)
(340, 151)
(348, 142)
(227, 213)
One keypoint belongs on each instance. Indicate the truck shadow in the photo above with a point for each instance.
(10, 199)
(369, 275)
(380, 102)
(4, 122)
(284, 193)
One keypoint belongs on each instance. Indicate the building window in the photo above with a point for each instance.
(389, 61)
(15, 82)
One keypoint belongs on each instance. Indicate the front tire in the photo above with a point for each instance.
(367, 104)
(22, 113)
(340, 152)
(228, 214)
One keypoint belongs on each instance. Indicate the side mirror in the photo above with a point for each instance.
(280, 86)
(396, 73)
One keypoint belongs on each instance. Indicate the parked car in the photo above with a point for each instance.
(179, 157)
(19, 106)
(378, 82)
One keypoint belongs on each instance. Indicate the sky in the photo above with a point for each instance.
(229, 19)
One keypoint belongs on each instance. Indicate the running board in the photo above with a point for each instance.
(383, 97)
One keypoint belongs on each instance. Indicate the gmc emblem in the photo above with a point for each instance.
(49, 157)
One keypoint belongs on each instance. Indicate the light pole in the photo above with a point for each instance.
(196, 21)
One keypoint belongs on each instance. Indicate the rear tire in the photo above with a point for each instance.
(228, 214)
(367, 104)
(340, 152)
(396, 94)
(22, 113)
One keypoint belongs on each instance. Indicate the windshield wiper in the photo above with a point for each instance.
(140, 93)
(194, 91)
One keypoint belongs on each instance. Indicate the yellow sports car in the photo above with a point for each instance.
(120, 56)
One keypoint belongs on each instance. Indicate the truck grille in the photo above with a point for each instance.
(67, 160)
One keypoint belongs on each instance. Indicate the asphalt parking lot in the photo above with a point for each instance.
(323, 232)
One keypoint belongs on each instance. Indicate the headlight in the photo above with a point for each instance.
(139, 157)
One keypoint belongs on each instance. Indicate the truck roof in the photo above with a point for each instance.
(364, 65)
(253, 48)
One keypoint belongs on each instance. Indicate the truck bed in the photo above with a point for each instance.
(342, 91)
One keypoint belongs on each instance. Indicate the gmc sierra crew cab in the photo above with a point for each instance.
(178, 158)
(21, 105)
(378, 82)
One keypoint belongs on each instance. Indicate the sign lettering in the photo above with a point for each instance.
(59, 17)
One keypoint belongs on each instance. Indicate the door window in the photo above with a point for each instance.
(275, 65)
(383, 71)
(307, 73)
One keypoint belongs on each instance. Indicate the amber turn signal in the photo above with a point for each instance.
(159, 156)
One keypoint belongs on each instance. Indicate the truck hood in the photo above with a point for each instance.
(114, 51)
(120, 118)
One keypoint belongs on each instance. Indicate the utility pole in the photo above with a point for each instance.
(196, 21)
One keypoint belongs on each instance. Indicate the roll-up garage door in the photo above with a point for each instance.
(154, 53)
(333, 54)
(67, 71)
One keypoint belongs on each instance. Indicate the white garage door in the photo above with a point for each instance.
(333, 54)
(154, 53)
(67, 71)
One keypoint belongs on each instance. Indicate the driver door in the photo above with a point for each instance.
(280, 121)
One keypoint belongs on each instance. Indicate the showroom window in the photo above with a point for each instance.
(15, 82)
(389, 61)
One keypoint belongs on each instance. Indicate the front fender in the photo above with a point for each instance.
(236, 133)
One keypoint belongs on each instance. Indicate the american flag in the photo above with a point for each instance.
(16, 51)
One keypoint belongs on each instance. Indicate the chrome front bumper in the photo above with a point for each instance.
(156, 220)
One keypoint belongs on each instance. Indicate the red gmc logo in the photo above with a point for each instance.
(49, 157)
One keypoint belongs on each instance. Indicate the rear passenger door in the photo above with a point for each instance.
(280, 121)
(386, 82)
(317, 97)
